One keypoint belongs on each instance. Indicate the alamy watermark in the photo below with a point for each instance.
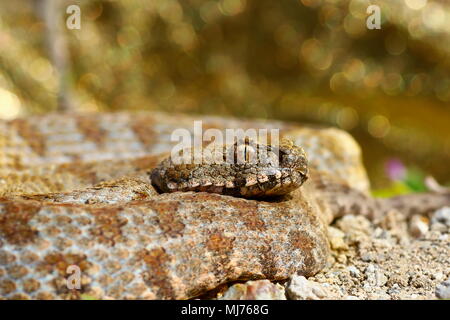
(374, 19)
(239, 145)
(73, 21)
(74, 280)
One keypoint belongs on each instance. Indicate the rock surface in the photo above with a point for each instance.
(129, 241)
(176, 246)
(385, 261)
(379, 261)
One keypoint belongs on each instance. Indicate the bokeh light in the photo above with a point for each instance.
(10, 106)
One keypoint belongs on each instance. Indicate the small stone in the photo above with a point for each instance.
(370, 268)
(300, 288)
(375, 277)
(437, 276)
(443, 290)
(439, 227)
(378, 295)
(354, 225)
(418, 226)
(419, 281)
(442, 216)
(379, 233)
(395, 289)
(342, 258)
(368, 257)
(354, 272)
(398, 279)
(255, 290)
(336, 238)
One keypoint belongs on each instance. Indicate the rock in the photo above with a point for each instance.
(354, 272)
(443, 290)
(395, 289)
(343, 158)
(437, 276)
(378, 295)
(398, 279)
(255, 290)
(299, 288)
(173, 246)
(354, 226)
(418, 226)
(375, 277)
(368, 256)
(341, 258)
(419, 281)
(336, 238)
(395, 222)
(439, 227)
(412, 270)
(168, 246)
(441, 216)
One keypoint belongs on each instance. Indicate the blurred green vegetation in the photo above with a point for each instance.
(299, 60)
(412, 181)
(88, 297)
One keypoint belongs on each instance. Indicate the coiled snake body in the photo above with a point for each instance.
(75, 194)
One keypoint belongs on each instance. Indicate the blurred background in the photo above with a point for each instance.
(311, 61)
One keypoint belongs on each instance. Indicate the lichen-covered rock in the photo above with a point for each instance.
(333, 151)
(171, 246)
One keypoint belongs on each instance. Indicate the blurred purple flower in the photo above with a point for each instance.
(395, 169)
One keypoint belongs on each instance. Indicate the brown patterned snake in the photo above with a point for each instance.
(75, 190)
(263, 170)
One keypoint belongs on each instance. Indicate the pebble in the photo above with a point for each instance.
(419, 281)
(300, 288)
(336, 238)
(354, 225)
(395, 289)
(379, 233)
(419, 226)
(437, 276)
(255, 290)
(342, 258)
(443, 290)
(375, 277)
(439, 227)
(368, 257)
(442, 216)
(354, 272)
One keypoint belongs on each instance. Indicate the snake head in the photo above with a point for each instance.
(293, 156)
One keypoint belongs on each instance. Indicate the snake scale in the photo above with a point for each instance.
(76, 190)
